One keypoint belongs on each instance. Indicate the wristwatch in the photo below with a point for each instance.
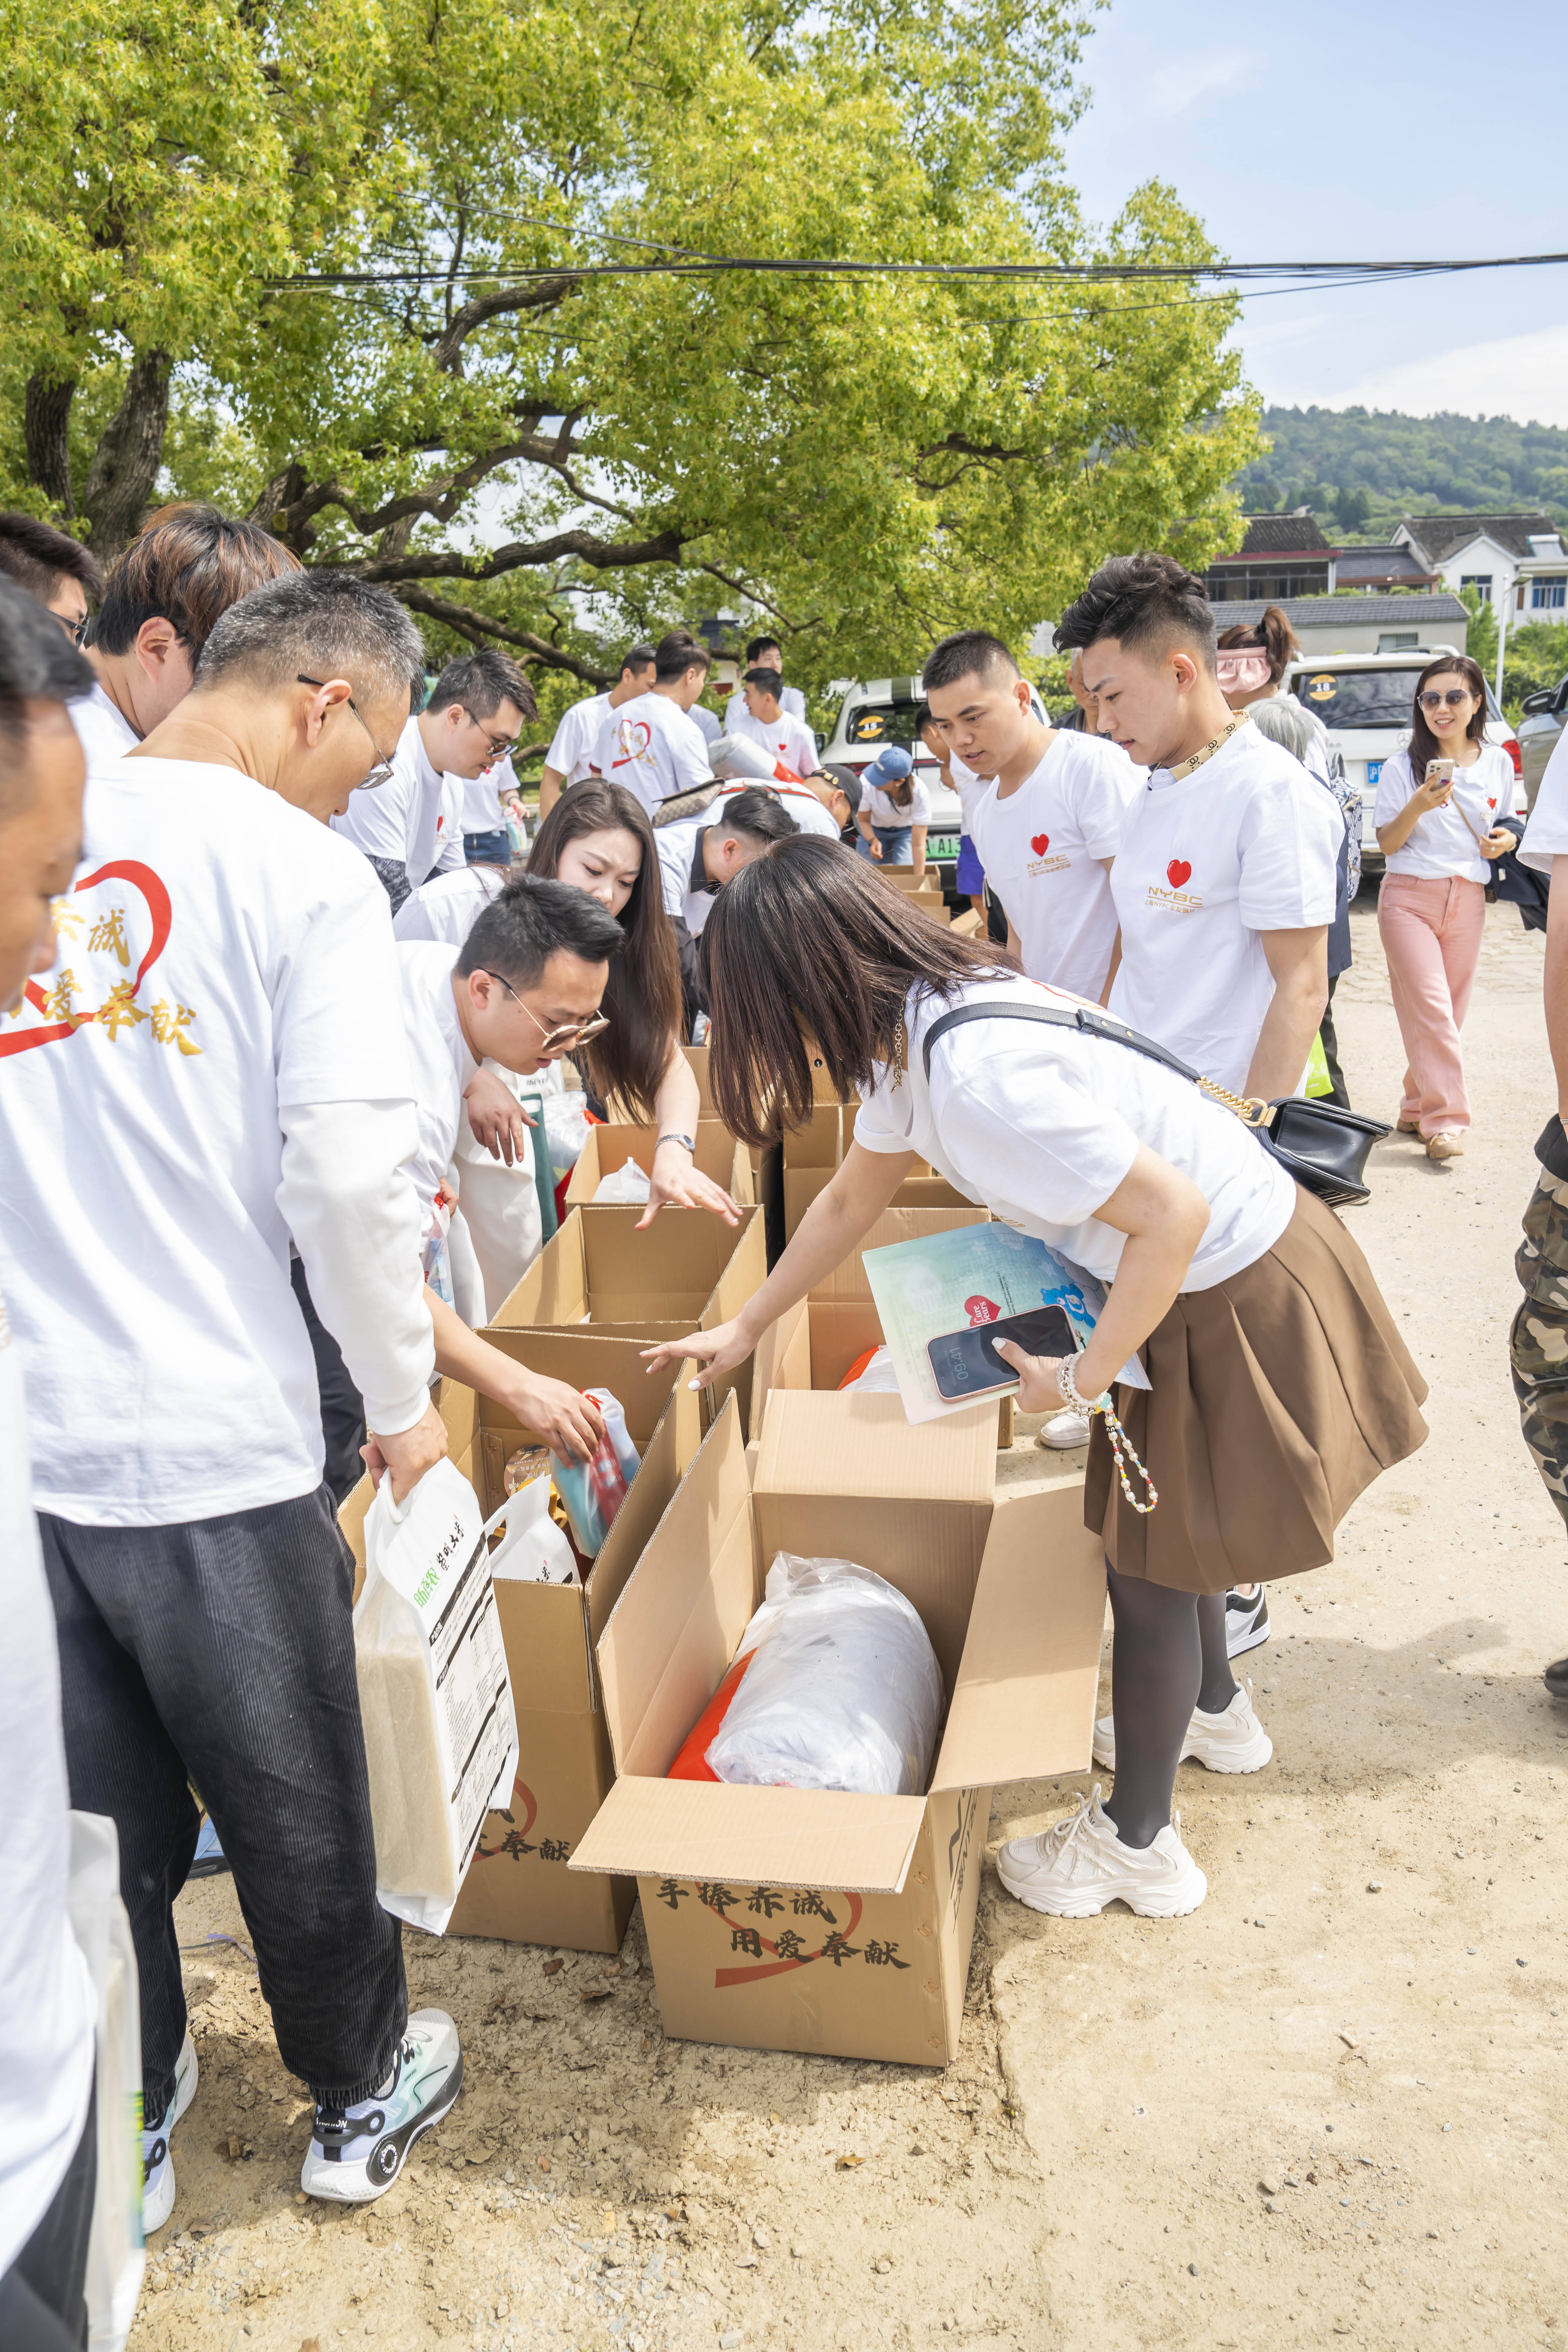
(687, 1140)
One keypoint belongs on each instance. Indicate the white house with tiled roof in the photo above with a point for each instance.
(1516, 563)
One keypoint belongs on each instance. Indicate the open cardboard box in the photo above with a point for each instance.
(518, 1886)
(718, 1156)
(813, 1153)
(688, 1272)
(794, 1919)
(815, 1344)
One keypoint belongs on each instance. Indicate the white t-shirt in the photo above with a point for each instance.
(654, 749)
(1041, 847)
(686, 900)
(1441, 848)
(49, 2012)
(1042, 1124)
(412, 818)
(576, 739)
(1248, 843)
(449, 905)
(708, 724)
(101, 731)
(787, 738)
(441, 1062)
(971, 789)
(880, 809)
(1546, 834)
(481, 807)
(239, 960)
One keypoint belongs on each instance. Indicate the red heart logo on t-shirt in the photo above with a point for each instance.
(1040, 844)
(161, 917)
(981, 1310)
(1178, 873)
(1491, 804)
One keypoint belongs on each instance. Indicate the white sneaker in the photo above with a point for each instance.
(1065, 1431)
(1232, 1742)
(1245, 1621)
(1075, 1868)
(157, 2164)
(358, 2152)
(1446, 1144)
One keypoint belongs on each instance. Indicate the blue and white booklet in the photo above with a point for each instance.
(963, 1279)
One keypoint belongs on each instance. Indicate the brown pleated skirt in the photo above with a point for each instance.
(1278, 1396)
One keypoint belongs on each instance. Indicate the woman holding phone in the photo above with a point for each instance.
(1280, 1386)
(1440, 818)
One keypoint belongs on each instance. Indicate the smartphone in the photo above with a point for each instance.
(1440, 772)
(965, 1363)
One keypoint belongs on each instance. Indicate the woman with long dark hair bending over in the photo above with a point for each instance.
(1281, 1387)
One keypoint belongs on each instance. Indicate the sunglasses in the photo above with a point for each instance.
(1433, 700)
(383, 768)
(498, 743)
(566, 1033)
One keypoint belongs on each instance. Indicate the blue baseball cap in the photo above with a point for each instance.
(890, 766)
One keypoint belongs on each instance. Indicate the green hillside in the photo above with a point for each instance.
(1360, 469)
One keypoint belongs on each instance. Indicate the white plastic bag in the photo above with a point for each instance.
(879, 1378)
(440, 1731)
(532, 1550)
(566, 1129)
(593, 1491)
(843, 1691)
(629, 1185)
(115, 2257)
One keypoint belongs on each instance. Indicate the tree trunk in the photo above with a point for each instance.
(48, 415)
(125, 463)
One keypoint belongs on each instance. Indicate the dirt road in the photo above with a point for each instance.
(1325, 2109)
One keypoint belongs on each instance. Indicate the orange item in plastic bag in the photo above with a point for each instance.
(858, 1367)
(692, 1763)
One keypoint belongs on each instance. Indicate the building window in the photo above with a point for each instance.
(1549, 592)
(1398, 641)
(1481, 582)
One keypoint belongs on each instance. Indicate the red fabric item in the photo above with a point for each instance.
(562, 1212)
(856, 1368)
(692, 1763)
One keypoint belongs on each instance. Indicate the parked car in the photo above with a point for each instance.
(1544, 715)
(880, 710)
(1365, 701)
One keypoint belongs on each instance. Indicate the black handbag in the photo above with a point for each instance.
(1323, 1147)
(1515, 883)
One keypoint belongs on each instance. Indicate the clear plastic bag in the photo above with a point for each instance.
(566, 1129)
(844, 1692)
(593, 1491)
(877, 1379)
(629, 1185)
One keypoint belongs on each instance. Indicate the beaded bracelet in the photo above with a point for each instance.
(1067, 1384)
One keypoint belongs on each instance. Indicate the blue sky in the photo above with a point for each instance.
(1382, 130)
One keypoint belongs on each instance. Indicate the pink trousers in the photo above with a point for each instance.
(1431, 935)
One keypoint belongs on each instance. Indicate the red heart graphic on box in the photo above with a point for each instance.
(1040, 844)
(981, 1310)
(140, 877)
(1178, 873)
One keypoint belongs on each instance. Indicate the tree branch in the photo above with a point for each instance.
(604, 555)
(543, 294)
(479, 628)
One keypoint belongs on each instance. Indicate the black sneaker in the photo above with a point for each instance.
(1245, 1621)
(1556, 1678)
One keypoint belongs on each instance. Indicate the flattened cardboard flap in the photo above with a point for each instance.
(824, 1442)
(705, 1831)
(1023, 1700)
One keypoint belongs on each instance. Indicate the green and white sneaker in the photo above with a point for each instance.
(356, 2153)
(157, 2164)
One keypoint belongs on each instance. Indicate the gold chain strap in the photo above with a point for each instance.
(1250, 1110)
(1179, 774)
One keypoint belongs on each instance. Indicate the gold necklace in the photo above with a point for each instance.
(1179, 774)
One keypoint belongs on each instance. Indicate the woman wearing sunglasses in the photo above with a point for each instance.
(597, 836)
(1441, 813)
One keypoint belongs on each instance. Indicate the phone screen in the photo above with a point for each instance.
(965, 1363)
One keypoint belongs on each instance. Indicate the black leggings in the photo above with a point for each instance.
(1169, 1657)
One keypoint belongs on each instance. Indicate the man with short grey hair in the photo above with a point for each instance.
(411, 826)
(217, 1064)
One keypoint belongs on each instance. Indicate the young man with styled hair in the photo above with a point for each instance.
(652, 744)
(765, 720)
(217, 1068)
(54, 569)
(410, 825)
(700, 852)
(767, 653)
(575, 746)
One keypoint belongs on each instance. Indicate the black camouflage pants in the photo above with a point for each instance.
(1538, 1343)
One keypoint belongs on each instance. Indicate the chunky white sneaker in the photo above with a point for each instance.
(1446, 1144)
(358, 2152)
(157, 2164)
(1075, 1868)
(1064, 1430)
(1245, 1621)
(1232, 1742)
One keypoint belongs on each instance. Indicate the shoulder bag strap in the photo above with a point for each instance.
(1089, 1022)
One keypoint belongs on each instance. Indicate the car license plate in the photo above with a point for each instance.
(1374, 769)
(942, 844)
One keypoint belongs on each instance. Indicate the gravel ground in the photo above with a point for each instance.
(1320, 2110)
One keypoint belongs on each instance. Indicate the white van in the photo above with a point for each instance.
(1366, 702)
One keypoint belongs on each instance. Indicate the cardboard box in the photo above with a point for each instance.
(815, 1344)
(923, 1190)
(688, 1272)
(518, 1886)
(718, 1156)
(698, 1057)
(793, 1919)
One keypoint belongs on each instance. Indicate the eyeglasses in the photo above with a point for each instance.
(383, 768)
(566, 1033)
(75, 630)
(498, 743)
(1433, 700)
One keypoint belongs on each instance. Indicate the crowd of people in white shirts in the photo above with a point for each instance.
(279, 996)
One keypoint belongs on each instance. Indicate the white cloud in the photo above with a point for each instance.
(1521, 376)
(1180, 84)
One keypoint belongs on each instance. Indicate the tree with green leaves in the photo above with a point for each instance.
(430, 287)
